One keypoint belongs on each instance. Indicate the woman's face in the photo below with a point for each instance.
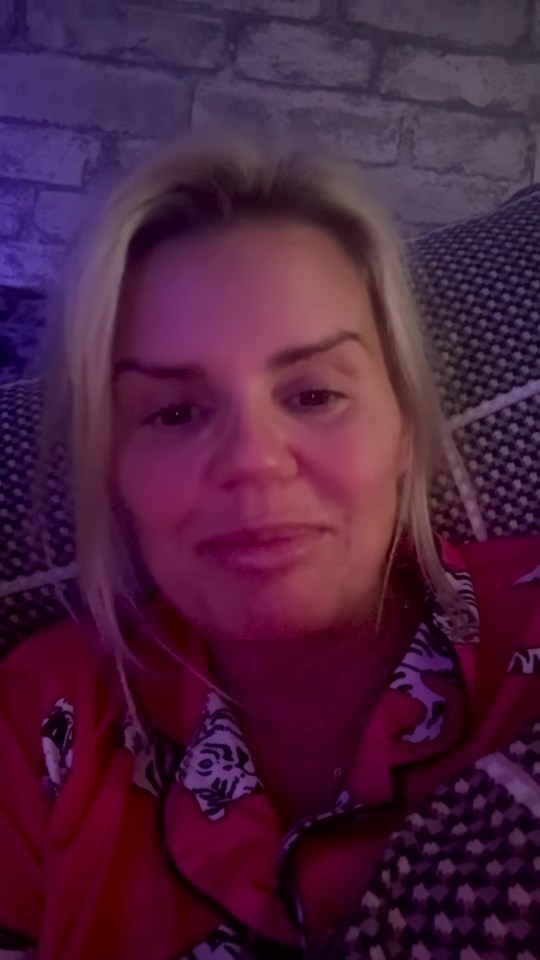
(258, 441)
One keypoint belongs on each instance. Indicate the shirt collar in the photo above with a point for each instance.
(215, 793)
(417, 715)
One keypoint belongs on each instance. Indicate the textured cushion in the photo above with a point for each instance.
(478, 284)
(22, 318)
(469, 855)
(36, 573)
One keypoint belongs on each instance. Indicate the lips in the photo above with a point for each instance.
(263, 549)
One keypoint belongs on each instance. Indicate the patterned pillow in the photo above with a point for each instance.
(22, 318)
(459, 878)
(478, 285)
(37, 574)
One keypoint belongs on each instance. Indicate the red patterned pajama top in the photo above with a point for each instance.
(121, 843)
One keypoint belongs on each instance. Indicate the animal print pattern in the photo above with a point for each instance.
(224, 943)
(57, 735)
(466, 627)
(533, 576)
(228, 943)
(433, 651)
(218, 767)
(428, 653)
(526, 662)
(157, 758)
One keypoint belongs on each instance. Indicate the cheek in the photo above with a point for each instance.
(364, 464)
(158, 491)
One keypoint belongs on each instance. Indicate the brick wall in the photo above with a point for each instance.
(438, 99)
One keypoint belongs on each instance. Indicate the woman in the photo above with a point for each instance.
(276, 659)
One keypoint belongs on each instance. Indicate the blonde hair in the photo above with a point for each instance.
(208, 182)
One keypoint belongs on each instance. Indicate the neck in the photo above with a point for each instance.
(298, 677)
(302, 706)
(270, 672)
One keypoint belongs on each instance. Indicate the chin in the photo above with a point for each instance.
(284, 607)
(280, 621)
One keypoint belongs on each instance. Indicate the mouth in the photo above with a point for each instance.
(260, 550)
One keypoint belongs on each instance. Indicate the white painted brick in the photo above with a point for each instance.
(467, 144)
(476, 23)
(122, 32)
(476, 80)
(305, 55)
(46, 153)
(422, 196)
(80, 94)
(359, 130)
(7, 20)
(132, 150)
(27, 264)
(295, 9)
(59, 215)
(16, 201)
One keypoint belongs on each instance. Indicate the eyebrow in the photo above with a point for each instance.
(284, 358)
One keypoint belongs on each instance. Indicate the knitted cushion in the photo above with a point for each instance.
(459, 878)
(22, 318)
(478, 285)
(36, 573)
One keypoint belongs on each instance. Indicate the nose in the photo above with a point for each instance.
(254, 448)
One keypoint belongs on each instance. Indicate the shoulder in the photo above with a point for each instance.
(505, 578)
(55, 731)
(57, 659)
(505, 575)
(51, 682)
(496, 565)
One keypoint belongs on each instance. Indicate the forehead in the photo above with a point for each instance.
(249, 291)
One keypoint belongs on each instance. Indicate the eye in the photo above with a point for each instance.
(315, 400)
(178, 416)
